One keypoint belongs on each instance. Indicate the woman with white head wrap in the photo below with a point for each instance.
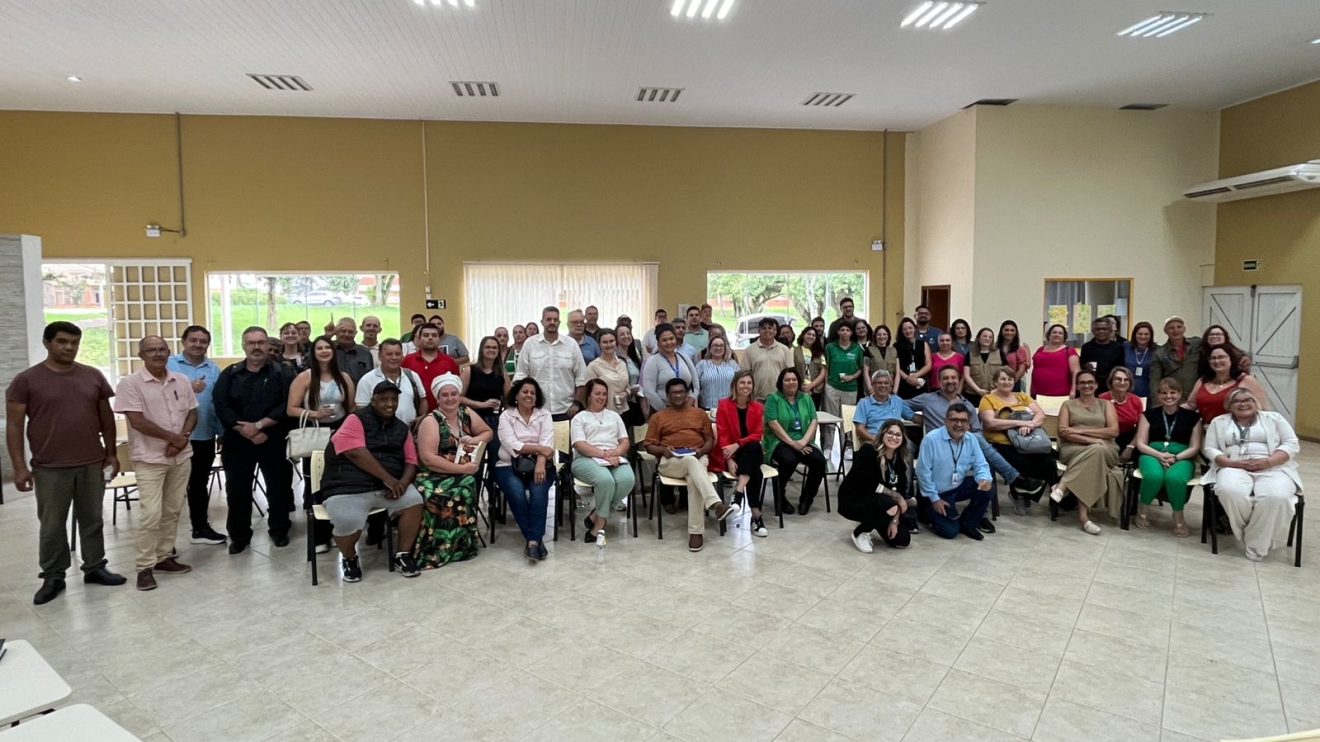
(447, 479)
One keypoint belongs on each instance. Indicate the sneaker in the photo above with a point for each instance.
(237, 548)
(722, 511)
(758, 527)
(863, 542)
(973, 534)
(621, 506)
(986, 526)
(172, 566)
(1024, 485)
(405, 565)
(696, 543)
(1091, 528)
(145, 580)
(322, 548)
(352, 569)
(207, 535)
(1019, 504)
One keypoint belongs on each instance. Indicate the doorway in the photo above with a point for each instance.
(1266, 322)
(937, 299)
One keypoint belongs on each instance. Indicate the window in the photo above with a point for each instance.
(1074, 303)
(507, 294)
(239, 300)
(117, 303)
(738, 299)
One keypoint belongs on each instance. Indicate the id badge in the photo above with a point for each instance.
(957, 480)
(912, 368)
(797, 425)
(1138, 372)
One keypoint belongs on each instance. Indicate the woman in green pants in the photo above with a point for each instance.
(1169, 439)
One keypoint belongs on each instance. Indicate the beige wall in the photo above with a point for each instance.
(1065, 193)
(267, 193)
(1283, 231)
(942, 203)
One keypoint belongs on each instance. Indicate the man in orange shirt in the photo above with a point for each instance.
(680, 436)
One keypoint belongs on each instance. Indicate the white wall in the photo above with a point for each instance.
(941, 210)
(1091, 193)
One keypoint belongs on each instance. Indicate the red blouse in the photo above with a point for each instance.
(1129, 413)
(727, 429)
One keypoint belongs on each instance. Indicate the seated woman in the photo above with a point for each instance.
(913, 360)
(739, 424)
(600, 456)
(1128, 406)
(447, 479)
(945, 356)
(877, 490)
(790, 432)
(1002, 410)
(1169, 440)
(983, 364)
(1138, 353)
(715, 373)
(1087, 428)
(526, 467)
(1055, 365)
(1253, 466)
(665, 364)
(809, 360)
(325, 400)
(1220, 374)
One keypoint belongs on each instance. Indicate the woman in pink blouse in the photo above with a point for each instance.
(1054, 365)
(1016, 352)
(946, 355)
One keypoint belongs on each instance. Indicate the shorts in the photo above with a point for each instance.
(348, 512)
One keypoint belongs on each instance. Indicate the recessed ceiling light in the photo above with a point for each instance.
(939, 15)
(1162, 24)
(450, 3)
(73, 78)
(707, 9)
(1315, 41)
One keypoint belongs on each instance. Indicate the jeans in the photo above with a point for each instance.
(56, 489)
(527, 500)
(952, 523)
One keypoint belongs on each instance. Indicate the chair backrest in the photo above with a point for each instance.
(1050, 404)
(848, 411)
(318, 468)
(124, 452)
(562, 434)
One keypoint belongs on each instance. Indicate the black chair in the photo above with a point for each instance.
(1211, 508)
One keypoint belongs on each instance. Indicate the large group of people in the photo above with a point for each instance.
(419, 426)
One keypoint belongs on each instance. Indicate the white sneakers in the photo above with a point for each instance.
(863, 542)
(1091, 528)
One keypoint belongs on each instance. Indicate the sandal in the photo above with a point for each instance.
(1141, 521)
(1180, 530)
(1091, 528)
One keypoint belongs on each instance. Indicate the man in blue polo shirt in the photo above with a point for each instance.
(877, 407)
(951, 469)
(202, 374)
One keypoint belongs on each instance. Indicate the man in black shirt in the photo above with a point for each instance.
(1101, 353)
(250, 399)
(846, 318)
(354, 358)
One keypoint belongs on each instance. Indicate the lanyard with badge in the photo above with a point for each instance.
(797, 415)
(955, 455)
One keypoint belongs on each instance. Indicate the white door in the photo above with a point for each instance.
(1276, 343)
(1265, 321)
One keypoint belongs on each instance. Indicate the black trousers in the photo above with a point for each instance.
(749, 459)
(786, 460)
(199, 483)
(242, 459)
(871, 512)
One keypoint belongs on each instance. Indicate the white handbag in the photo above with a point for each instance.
(304, 440)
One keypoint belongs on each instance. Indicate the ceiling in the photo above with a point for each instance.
(583, 60)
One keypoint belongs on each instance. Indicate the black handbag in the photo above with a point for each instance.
(524, 465)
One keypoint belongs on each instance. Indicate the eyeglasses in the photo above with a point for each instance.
(958, 422)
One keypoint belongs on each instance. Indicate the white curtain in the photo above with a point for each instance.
(505, 294)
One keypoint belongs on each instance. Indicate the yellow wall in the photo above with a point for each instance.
(942, 203)
(1284, 230)
(346, 194)
(1091, 193)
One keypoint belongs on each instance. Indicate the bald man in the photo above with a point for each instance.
(354, 359)
(162, 412)
(371, 336)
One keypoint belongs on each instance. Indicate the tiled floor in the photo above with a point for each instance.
(1040, 632)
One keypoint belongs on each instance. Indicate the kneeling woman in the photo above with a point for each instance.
(876, 491)
(1169, 440)
(447, 480)
(600, 456)
(1088, 426)
(1253, 465)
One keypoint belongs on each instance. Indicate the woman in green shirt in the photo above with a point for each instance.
(790, 432)
(843, 364)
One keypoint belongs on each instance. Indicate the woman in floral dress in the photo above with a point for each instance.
(447, 479)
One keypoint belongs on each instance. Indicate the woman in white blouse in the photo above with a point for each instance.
(612, 369)
(527, 436)
(1253, 465)
(600, 457)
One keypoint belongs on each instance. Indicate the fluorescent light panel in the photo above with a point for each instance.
(941, 14)
(1162, 24)
(450, 3)
(708, 9)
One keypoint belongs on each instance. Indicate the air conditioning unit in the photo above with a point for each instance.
(1267, 183)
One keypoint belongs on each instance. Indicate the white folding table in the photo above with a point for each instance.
(28, 684)
(77, 722)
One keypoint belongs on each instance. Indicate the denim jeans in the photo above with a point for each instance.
(527, 500)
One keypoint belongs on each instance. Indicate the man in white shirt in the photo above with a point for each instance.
(648, 340)
(556, 364)
(412, 398)
(688, 350)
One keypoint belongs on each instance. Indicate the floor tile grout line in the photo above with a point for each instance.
(1274, 660)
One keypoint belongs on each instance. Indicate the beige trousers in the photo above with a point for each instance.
(700, 492)
(161, 491)
(1259, 506)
